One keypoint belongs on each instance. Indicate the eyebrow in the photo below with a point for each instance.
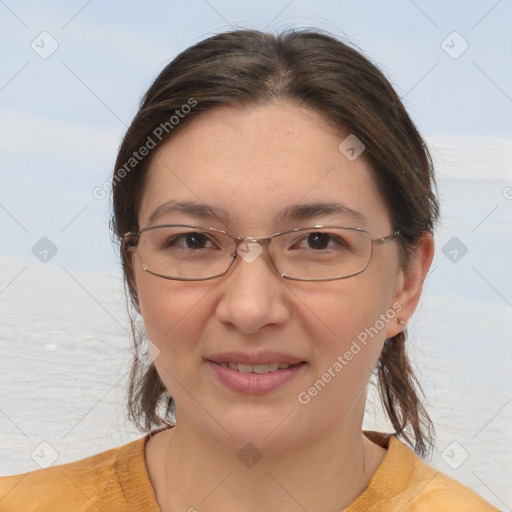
(200, 210)
(297, 212)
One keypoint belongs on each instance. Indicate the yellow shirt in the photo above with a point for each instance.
(117, 481)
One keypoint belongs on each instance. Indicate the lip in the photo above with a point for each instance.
(253, 383)
(266, 357)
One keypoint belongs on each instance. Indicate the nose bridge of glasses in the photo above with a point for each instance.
(250, 248)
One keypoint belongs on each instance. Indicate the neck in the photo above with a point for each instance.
(326, 472)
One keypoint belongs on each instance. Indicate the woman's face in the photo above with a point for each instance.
(252, 163)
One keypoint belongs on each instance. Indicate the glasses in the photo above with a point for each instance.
(186, 252)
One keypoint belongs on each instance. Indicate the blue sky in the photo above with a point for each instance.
(63, 116)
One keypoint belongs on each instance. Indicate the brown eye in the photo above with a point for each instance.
(320, 241)
(190, 241)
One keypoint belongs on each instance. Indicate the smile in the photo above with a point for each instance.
(255, 379)
(260, 369)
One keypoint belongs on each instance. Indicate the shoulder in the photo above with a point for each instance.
(80, 486)
(436, 491)
(404, 482)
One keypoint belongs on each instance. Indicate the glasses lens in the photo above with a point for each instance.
(185, 252)
(323, 253)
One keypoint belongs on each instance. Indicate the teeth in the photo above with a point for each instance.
(256, 368)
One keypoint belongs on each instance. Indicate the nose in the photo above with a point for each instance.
(252, 295)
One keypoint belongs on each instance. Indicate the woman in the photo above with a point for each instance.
(275, 206)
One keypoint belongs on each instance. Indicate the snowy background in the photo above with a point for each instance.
(64, 342)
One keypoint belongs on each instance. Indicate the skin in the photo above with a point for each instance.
(252, 161)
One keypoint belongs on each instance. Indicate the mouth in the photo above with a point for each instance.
(258, 362)
(259, 369)
(255, 374)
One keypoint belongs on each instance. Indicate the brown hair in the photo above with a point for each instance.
(314, 70)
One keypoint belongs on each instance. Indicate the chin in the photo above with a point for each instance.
(269, 428)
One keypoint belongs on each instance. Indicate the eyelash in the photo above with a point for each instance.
(338, 242)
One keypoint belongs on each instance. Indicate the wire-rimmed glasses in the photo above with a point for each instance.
(187, 252)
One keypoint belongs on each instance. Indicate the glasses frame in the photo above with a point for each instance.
(130, 241)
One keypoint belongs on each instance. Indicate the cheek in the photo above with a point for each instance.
(174, 319)
(172, 315)
(346, 345)
(350, 323)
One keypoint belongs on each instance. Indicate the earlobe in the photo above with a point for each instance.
(410, 283)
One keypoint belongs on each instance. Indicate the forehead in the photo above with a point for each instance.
(256, 162)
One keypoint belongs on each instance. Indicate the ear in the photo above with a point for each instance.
(409, 284)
